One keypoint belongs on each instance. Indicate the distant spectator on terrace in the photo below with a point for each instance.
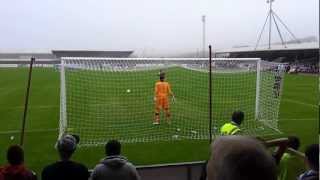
(312, 161)
(66, 169)
(114, 166)
(16, 170)
(290, 165)
(240, 158)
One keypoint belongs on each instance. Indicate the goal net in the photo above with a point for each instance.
(113, 98)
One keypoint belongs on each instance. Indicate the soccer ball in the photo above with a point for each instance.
(128, 90)
(178, 129)
(12, 138)
(194, 132)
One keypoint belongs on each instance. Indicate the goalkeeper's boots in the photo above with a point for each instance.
(156, 119)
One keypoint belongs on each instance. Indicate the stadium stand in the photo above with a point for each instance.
(21, 59)
(54, 54)
(86, 53)
(4, 56)
(301, 57)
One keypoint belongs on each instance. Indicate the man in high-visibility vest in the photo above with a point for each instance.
(233, 127)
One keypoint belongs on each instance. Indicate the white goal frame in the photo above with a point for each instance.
(63, 93)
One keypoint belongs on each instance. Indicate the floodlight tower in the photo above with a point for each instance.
(203, 36)
(272, 16)
(270, 24)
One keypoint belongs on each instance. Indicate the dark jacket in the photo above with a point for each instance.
(115, 168)
(65, 170)
(16, 172)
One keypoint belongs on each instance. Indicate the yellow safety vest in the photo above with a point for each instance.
(229, 129)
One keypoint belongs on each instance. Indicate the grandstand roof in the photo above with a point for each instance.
(274, 47)
(89, 53)
(304, 52)
(55, 54)
(26, 55)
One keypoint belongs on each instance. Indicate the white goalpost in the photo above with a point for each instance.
(112, 98)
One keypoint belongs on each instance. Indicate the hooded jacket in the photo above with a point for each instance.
(115, 168)
(16, 172)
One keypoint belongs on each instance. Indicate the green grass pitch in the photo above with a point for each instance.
(298, 116)
(99, 106)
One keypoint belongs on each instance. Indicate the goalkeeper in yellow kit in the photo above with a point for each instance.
(162, 91)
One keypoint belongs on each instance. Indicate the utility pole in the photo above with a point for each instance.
(203, 36)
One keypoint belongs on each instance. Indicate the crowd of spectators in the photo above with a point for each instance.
(303, 68)
(233, 157)
(114, 166)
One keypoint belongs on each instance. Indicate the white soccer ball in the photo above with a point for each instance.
(178, 129)
(194, 132)
(128, 90)
(11, 138)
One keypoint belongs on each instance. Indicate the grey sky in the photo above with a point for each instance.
(148, 25)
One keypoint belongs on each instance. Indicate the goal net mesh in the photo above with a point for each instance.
(113, 98)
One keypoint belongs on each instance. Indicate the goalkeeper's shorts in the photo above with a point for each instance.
(162, 103)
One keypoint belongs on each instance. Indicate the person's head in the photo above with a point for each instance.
(240, 158)
(162, 75)
(237, 117)
(113, 148)
(15, 155)
(294, 142)
(66, 146)
(312, 156)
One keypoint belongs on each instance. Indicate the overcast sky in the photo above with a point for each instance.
(149, 25)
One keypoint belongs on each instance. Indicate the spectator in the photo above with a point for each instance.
(114, 166)
(232, 128)
(16, 169)
(280, 145)
(65, 169)
(240, 158)
(290, 165)
(312, 161)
